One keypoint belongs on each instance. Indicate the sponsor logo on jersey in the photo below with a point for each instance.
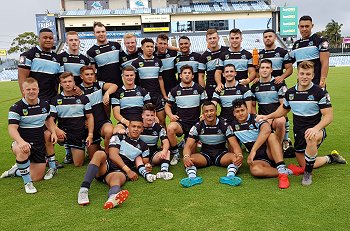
(178, 92)
(227, 56)
(209, 58)
(25, 112)
(277, 55)
(177, 60)
(243, 57)
(191, 58)
(238, 92)
(195, 92)
(154, 133)
(167, 56)
(138, 93)
(256, 88)
(222, 92)
(54, 59)
(311, 43)
(156, 64)
(325, 44)
(122, 95)
(125, 59)
(113, 48)
(273, 88)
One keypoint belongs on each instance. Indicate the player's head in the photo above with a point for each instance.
(184, 44)
(135, 128)
(305, 73)
(148, 114)
(240, 110)
(87, 74)
(305, 26)
(162, 43)
(269, 37)
(46, 39)
(186, 74)
(212, 38)
(100, 32)
(229, 72)
(73, 41)
(67, 81)
(209, 111)
(235, 38)
(129, 75)
(30, 89)
(147, 46)
(265, 68)
(130, 42)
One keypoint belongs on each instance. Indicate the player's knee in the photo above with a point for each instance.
(47, 136)
(79, 163)
(256, 170)
(280, 123)
(99, 156)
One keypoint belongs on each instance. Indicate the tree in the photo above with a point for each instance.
(23, 42)
(333, 30)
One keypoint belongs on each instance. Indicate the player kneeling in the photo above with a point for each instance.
(213, 133)
(265, 151)
(125, 153)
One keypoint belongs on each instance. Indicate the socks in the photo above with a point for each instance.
(68, 150)
(51, 160)
(114, 190)
(164, 167)
(89, 175)
(174, 150)
(191, 171)
(286, 135)
(281, 168)
(310, 161)
(23, 167)
(142, 170)
(231, 170)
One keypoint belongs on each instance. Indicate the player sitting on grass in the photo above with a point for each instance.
(213, 133)
(265, 151)
(312, 113)
(26, 121)
(125, 153)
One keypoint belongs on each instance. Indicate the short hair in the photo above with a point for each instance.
(184, 37)
(129, 35)
(266, 61)
(45, 30)
(306, 65)
(211, 31)
(186, 66)
(163, 36)
(235, 31)
(30, 80)
(84, 68)
(208, 103)
(238, 103)
(99, 24)
(146, 40)
(149, 107)
(71, 33)
(65, 75)
(128, 68)
(269, 30)
(305, 18)
(229, 65)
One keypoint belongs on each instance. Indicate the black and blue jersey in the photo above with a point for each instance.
(169, 71)
(151, 135)
(279, 58)
(192, 59)
(129, 148)
(73, 63)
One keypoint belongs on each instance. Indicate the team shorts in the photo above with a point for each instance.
(112, 167)
(97, 135)
(210, 89)
(186, 127)
(75, 139)
(213, 158)
(300, 142)
(158, 102)
(37, 152)
(261, 154)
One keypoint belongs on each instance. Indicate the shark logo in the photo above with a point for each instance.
(97, 5)
(139, 3)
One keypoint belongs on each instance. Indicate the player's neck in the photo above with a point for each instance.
(68, 93)
(230, 83)
(304, 88)
(265, 80)
(214, 49)
(272, 47)
(186, 53)
(187, 84)
(73, 52)
(147, 56)
(88, 84)
(212, 123)
(129, 86)
(32, 101)
(45, 49)
(237, 49)
(102, 43)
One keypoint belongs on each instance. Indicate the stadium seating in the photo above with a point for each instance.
(8, 75)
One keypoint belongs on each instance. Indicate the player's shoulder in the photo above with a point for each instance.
(17, 106)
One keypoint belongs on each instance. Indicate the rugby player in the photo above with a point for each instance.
(312, 113)
(125, 155)
(213, 133)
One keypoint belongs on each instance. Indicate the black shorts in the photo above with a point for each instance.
(37, 152)
(158, 102)
(112, 167)
(186, 127)
(98, 131)
(300, 142)
(210, 89)
(153, 152)
(213, 158)
(75, 139)
(261, 154)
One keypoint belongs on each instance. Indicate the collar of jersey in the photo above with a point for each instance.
(216, 123)
(71, 54)
(129, 89)
(236, 83)
(240, 50)
(25, 101)
(214, 51)
(145, 58)
(311, 85)
(272, 79)
(183, 86)
(39, 48)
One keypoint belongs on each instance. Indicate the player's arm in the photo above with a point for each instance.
(250, 107)
(116, 159)
(14, 134)
(201, 79)
(187, 151)
(286, 73)
(219, 85)
(264, 132)
(110, 88)
(236, 149)
(324, 59)
(90, 125)
(172, 48)
(51, 126)
(281, 111)
(162, 88)
(22, 75)
(327, 118)
(119, 117)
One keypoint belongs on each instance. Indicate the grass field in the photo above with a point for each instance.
(257, 204)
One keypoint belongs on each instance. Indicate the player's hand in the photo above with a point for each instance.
(24, 146)
(106, 99)
(322, 84)
(77, 91)
(166, 98)
(311, 133)
(54, 138)
(219, 87)
(260, 118)
(279, 79)
(132, 175)
(60, 134)
(89, 140)
(148, 167)
(251, 156)
(187, 162)
(163, 154)
(244, 81)
(174, 118)
(238, 160)
(156, 119)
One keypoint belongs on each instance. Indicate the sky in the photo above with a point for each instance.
(15, 20)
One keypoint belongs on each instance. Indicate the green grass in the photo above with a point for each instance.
(164, 205)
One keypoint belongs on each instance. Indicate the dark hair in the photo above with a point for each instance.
(184, 37)
(266, 61)
(99, 24)
(238, 103)
(269, 30)
(235, 31)
(163, 36)
(128, 68)
(306, 65)
(149, 107)
(186, 66)
(84, 68)
(45, 30)
(305, 18)
(146, 40)
(208, 103)
(229, 65)
(211, 31)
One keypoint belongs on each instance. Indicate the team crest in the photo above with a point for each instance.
(251, 126)
(261, 56)
(219, 132)
(195, 92)
(22, 59)
(113, 48)
(138, 146)
(291, 97)
(277, 55)
(43, 110)
(191, 58)
(296, 46)
(325, 44)
(59, 101)
(141, 64)
(209, 58)
(222, 92)
(237, 127)
(97, 52)
(167, 56)
(227, 56)
(328, 98)
(178, 93)
(125, 59)
(311, 43)
(138, 93)
(122, 95)
(95, 89)
(256, 88)
(82, 61)
(177, 60)
(37, 55)
(154, 133)
(243, 57)
(25, 112)
(78, 101)
(310, 97)
(156, 64)
(273, 88)
(202, 131)
(238, 92)
(64, 59)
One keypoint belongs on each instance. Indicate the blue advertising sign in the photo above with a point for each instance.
(46, 21)
(110, 34)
